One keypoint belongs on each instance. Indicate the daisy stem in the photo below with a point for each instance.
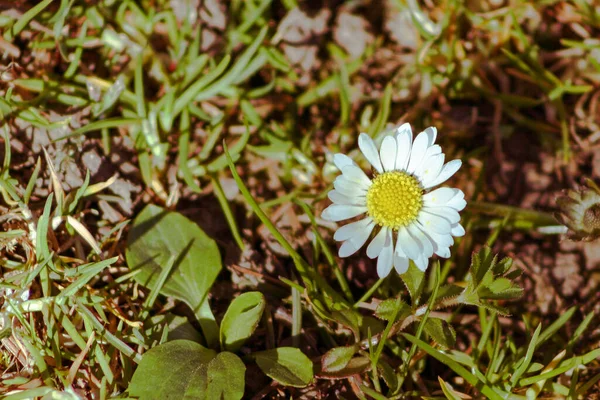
(369, 293)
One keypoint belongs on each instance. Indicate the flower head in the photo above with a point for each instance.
(410, 220)
(580, 212)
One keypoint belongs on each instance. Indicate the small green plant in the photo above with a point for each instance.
(171, 255)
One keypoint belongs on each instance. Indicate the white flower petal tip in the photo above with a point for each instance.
(369, 150)
(404, 129)
(388, 153)
(405, 217)
(342, 160)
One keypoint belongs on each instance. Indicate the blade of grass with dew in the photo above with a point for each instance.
(483, 387)
(157, 286)
(296, 317)
(580, 329)
(240, 68)
(187, 97)
(555, 326)
(98, 355)
(209, 145)
(109, 123)
(224, 203)
(184, 141)
(86, 273)
(528, 357)
(110, 338)
(564, 366)
(25, 19)
(376, 128)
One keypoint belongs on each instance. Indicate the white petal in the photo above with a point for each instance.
(440, 241)
(341, 160)
(458, 202)
(457, 230)
(431, 134)
(447, 171)
(443, 252)
(432, 222)
(409, 246)
(377, 243)
(385, 262)
(388, 153)
(339, 212)
(418, 235)
(368, 148)
(422, 263)
(404, 144)
(352, 229)
(339, 198)
(404, 129)
(419, 148)
(398, 250)
(400, 264)
(440, 196)
(448, 213)
(357, 241)
(430, 169)
(355, 174)
(347, 187)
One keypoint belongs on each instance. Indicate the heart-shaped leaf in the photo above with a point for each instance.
(226, 377)
(241, 319)
(160, 238)
(175, 369)
(287, 365)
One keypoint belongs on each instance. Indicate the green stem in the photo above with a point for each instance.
(369, 292)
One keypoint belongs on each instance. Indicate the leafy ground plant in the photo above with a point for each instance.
(172, 190)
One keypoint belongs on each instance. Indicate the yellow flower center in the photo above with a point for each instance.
(394, 199)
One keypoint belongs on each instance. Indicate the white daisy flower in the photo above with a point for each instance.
(412, 221)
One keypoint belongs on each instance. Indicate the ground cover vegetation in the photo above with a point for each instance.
(299, 199)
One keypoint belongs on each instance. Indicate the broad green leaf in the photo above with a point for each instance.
(241, 319)
(174, 370)
(287, 365)
(158, 234)
(440, 331)
(337, 358)
(386, 309)
(349, 318)
(357, 365)
(414, 280)
(226, 373)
